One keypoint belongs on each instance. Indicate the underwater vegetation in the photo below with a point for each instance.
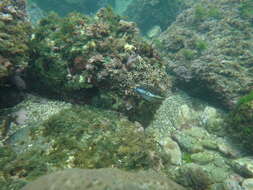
(14, 36)
(240, 121)
(81, 137)
(209, 53)
(201, 12)
(246, 9)
(98, 59)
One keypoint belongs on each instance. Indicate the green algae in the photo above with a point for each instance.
(241, 120)
(82, 137)
(201, 45)
(246, 9)
(79, 137)
(201, 13)
(105, 143)
(96, 60)
(246, 99)
(14, 37)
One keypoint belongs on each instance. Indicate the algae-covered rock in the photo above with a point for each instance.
(78, 179)
(240, 121)
(14, 36)
(243, 166)
(99, 60)
(75, 137)
(209, 50)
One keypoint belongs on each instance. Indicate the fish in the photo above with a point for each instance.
(147, 95)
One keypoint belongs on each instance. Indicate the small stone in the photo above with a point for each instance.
(193, 175)
(228, 150)
(154, 31)
(202, 157)
(210, 144)
(188, 143)
(230, 184)
(247, 184)
(212, 120)
(173, 150)
(244, 166)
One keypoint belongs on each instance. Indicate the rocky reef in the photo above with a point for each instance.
(14, 36)
(240, 121)
(112, 108)
(150, 13)
(96, 60)
(209, 50)
(46, 136)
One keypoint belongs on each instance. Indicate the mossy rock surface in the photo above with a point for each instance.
(14, 36)
(209, 50)
(240, 121)
(79, 137)
(98, 60)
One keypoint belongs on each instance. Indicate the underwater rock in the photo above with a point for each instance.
(202, 157)
(230, 184)
(49, 135)
(172, 150)
(186, 121)
(80, 179)
(247, 184)
(194, 176)
(208, 50)
(244, 166)
(240, 121)
(154, 32)
(97, 60)
(212, 119)
(14, 36)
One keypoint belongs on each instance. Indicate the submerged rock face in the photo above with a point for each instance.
(240, 121)
(51, 135)
(98, 60)
(193, 136)
(209, 50)
(14, 36)
(78, 179)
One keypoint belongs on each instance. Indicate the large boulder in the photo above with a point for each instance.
(209, 50)
(14, 37)
(79, 179)
(97, 60)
